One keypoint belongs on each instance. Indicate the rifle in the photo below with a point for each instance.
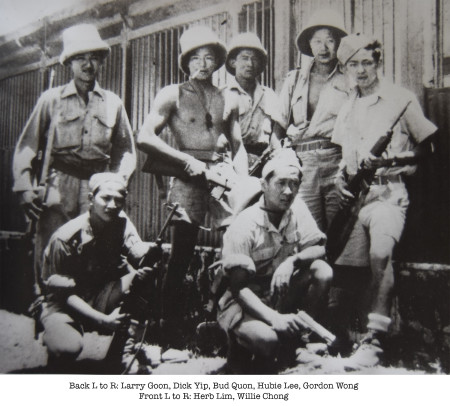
(136, 302)
(41, 166)
(343, 222)
(256, 168)
(210, 180)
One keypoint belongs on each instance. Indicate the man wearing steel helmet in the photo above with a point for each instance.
(91, 133)
(198, 116)
(310, 100)
(368, 114)
(272, 255)
(259, 114)
(86, 271)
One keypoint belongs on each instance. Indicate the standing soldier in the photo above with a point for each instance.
(310, 100)
(364, 118)
(88, 132)
(198, 114)
(259, 114)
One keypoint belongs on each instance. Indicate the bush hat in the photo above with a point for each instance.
(80, 39)
(245, 40)
(197, 37)
(324, 18)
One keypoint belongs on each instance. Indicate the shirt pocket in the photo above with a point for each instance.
(102, 129)
(264, 254)
(68, 130)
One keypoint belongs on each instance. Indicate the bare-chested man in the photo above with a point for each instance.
(310, 100)
(197, 113)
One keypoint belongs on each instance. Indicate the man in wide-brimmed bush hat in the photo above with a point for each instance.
(310, 100)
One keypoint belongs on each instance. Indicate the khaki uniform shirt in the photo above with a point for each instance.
(88, 138)
(257, 115)
(89, 261)
(294, 101)
(362, 121)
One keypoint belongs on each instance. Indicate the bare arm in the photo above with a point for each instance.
(110, 321)
(148, 139)
(240, 158)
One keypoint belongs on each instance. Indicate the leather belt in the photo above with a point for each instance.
(385, 179)
(314, 145)
(81, 172)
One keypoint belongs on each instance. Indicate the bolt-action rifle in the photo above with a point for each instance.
(343, 222)
(137, 303)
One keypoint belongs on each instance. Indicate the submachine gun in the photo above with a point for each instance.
(343, 222)
(138, 301)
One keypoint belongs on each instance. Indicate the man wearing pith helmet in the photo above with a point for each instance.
(259, 114)
(374, 108)
(310, 99)
(91, 133)
(198, 115)
(273, 256)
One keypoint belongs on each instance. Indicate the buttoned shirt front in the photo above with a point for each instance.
(363, 120)
(253, 235)
(93, 135)
(257, 114)
(294, 102)
(90, 261)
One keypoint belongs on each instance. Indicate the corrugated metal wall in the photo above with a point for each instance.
(18, 95)
(151, 62)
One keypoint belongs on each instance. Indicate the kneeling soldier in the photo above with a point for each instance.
(272, 254)
(86, 271)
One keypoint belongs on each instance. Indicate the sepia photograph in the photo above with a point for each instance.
(222, 188)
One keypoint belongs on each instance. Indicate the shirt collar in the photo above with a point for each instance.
(384, 91)
(234, 84)
(86, 230)
(310, 65)
(70, 90)
(262, 219)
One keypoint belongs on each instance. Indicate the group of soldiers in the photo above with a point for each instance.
(314, 136)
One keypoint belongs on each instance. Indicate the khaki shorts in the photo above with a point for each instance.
(382, 217)
(197, 202)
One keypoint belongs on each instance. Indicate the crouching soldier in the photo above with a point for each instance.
(272, 255)
(86, 271)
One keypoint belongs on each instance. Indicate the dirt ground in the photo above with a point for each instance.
(20, 352)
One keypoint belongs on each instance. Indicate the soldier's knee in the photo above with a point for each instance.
(68, 348)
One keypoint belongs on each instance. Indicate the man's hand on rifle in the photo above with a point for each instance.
(31, 202)
(372, 162)
(113, 320)
(344, 195)
(194, 167)
(145, 273)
